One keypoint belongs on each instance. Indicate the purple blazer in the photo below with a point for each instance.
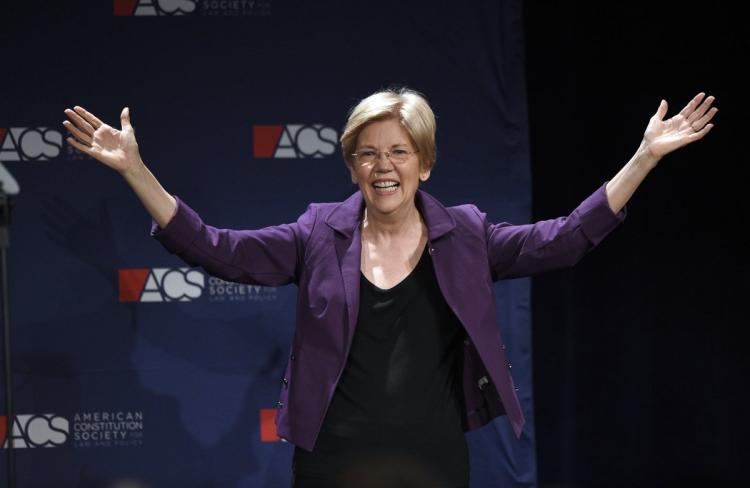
(320, 253)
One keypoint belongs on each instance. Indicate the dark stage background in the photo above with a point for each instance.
(640, 352)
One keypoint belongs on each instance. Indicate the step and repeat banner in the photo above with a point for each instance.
(132, 368)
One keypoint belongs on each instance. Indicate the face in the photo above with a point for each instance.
(387, 135)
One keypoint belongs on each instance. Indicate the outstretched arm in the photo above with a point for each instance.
(660, 138)
(270, 256)
(515, 251)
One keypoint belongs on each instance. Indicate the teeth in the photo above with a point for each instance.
(385, 184)
(389, 189)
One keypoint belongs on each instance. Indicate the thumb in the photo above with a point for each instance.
(662, 110)
(125, 118)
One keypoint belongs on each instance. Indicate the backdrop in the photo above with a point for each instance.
(128, 364)
(640, 351)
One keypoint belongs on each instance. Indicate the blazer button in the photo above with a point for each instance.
(291, 357)
(279, 404)
(502, 346)
(431, 250)
(482, 381)
(516, 388)
(509, 365)
(285, 381)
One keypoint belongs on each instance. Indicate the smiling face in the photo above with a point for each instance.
(388, 188)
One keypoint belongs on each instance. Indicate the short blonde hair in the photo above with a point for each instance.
(409, 107)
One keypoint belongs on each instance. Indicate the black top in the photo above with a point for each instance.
(402, 377)
(398, 404)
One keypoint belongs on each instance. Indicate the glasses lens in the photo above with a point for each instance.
(399, 155)
(366, 157)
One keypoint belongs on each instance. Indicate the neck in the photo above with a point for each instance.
(383, 228)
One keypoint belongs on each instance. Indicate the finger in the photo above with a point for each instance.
(91, 118)
(81, 147)
(125, 118)
(690, 107)
(662, 110)
(79, 134)
(80, 122)
(700, 123)
(699, 135)
(702, 109)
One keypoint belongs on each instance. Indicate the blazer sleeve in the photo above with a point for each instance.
(270, 256)
(515, 251)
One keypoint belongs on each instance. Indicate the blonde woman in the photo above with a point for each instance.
(396, 350)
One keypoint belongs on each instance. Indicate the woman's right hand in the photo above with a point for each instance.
(117, 149)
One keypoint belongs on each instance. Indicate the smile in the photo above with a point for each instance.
(385, 187)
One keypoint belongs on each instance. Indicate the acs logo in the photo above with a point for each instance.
(293, 141)
(127, 8)
(161, 284)
(40, 430)
(29, 144)
(26, 144)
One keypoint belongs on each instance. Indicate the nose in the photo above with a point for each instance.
(383, 161)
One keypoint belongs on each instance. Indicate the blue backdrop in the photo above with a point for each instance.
(128, 364)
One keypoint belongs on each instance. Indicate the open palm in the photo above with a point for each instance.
(117, 149)
(691, 124)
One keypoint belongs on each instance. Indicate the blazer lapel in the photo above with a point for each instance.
(344, 219)
(437, 218)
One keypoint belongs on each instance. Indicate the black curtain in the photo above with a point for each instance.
(640, 351)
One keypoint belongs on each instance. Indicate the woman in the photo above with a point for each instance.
(389, 404)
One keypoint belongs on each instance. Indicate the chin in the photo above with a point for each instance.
(387, 204)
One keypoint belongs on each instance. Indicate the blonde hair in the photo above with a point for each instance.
(409, 107)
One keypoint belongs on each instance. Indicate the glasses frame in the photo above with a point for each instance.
(387, 155)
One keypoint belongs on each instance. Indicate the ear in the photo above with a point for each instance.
(353, 175)
(424, 174)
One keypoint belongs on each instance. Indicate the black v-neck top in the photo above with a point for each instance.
(402, 377)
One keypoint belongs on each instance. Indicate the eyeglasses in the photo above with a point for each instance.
(367, 157)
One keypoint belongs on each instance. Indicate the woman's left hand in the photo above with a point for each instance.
(691, 124)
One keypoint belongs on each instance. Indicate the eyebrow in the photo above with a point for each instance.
(392, 145)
